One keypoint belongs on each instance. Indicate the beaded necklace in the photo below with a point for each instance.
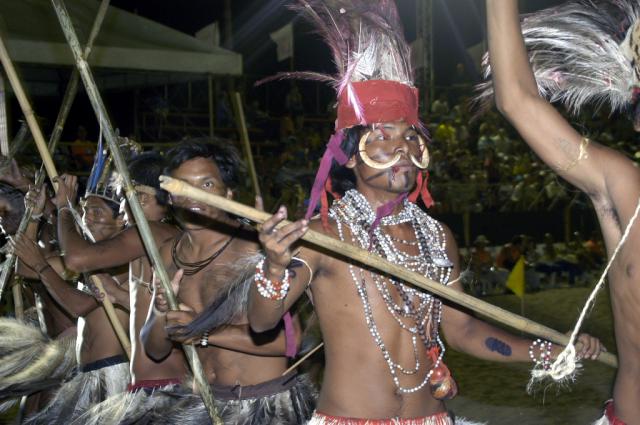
(421, 310)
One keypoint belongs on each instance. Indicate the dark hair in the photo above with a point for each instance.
(15, 198)
(146, 168)
(222, 153)
(110, 199)
(343, 178)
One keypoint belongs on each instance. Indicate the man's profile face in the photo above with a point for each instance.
(99, 219)
(9, 217)
(204, 174)
(383, 143)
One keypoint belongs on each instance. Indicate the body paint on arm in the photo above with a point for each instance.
(500, 347)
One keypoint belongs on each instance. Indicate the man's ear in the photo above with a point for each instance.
(351, 163)
(120, 220)
(143, 198)
(229, 194)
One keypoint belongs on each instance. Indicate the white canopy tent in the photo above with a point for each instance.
(126, 41)
(129, 52)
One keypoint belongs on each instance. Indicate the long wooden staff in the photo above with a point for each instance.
(111, 312)
(241, 122)
(141, 222)
(69, 96)
(42, 149)
(4, 127)
(180, 188)
(16, 288)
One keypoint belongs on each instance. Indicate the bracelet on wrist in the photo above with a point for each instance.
(43, 268)
(540, 353)
(204, 339)
(275, 290)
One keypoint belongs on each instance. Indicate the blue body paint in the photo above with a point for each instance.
(500, 347)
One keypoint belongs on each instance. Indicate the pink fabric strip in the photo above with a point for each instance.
(384, 210)
(289, 336)
(333, 152)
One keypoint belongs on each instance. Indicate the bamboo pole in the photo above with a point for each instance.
(136, 209)
(27, 110)
(210, 105)
(180, 188)
(18, 304)
(51, 171)
(65, 108)
(303, 359)
(244, 138)
(16, 288)
(113, 317)
(4, 125)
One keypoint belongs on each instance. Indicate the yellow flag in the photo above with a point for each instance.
(515, 281)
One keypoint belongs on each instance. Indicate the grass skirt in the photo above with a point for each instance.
(86, 389)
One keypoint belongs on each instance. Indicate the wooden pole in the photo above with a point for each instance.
(303, 359)
(113, 317)
(136, 209)
(211, 105)
(18, 305)
(244, 138)
(69, 97)
(49, 166)
(4, 125)
(27, 110)
(16, 288)
(180, 188)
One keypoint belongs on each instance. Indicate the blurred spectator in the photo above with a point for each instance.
(510, 253)
(595, 248)
(82, 150)
(295, 107)
(483, 269)
(440, 107)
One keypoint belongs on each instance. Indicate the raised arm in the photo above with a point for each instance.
(75, 302)
(540, 125)
(84, 256)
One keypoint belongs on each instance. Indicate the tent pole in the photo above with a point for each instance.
(136, 209)
(211, 104)
(236, 100)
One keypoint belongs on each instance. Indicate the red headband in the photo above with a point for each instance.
(377, 101)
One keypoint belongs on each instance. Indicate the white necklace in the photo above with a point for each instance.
(421, 310)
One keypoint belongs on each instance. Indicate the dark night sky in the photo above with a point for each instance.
(458, 24)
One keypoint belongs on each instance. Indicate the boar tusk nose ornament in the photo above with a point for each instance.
(422, 164)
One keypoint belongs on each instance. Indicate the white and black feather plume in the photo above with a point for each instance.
(581, 52)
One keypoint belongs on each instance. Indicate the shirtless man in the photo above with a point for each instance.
(382, 346)
(611, 181)
(147, 375)
(103, 363)
(244, 368)
(54, 334)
